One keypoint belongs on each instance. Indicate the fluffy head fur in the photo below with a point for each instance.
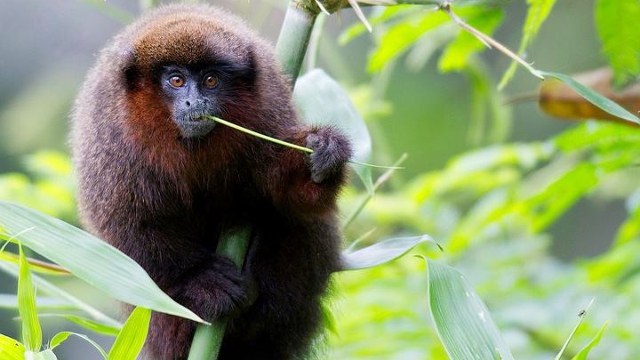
(165, 199)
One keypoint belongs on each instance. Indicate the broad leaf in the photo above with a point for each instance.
(620, 40)
(593, 97)
(462, 321)
(132, 336)
(381, 252)
(88, 258)
(321, 100)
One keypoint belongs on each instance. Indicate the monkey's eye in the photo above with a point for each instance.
(210, 81)
(176, 81)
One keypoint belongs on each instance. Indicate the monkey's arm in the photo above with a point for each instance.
(308, 183)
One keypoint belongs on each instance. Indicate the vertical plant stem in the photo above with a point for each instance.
(208, 339)
(294, 39)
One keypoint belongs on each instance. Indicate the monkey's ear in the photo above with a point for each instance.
(128, 67)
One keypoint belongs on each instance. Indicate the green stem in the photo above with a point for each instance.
(294, 39)
(208, 339)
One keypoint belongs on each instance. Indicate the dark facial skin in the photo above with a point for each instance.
(192, 93)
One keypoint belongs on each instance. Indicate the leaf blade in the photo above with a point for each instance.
(131, 338)
(381, 252)
(31, 330)
(88, 258)
(594, 97)
(463, 322)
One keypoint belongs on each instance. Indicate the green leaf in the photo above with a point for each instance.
(381, 252)
(536, 15)
(57, 292)
(458, 52)
(11, 349)
(620, 40)
(60, 337)
(401, 36)
(88, 258)
(87, 324)
(593, 97)
(132, 336)
(582, 354)
(462, 321)
(321, 100)
(31, 331)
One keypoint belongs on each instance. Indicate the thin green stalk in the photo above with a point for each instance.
(208, 339)
(259, 135)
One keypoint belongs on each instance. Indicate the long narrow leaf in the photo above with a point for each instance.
(381, 252)
(31, 331)
(593, 97)
(132, 336)
(462, 321)
(582, 354)
(89, 258)
(60, 337)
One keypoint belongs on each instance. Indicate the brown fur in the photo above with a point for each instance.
(165, 200)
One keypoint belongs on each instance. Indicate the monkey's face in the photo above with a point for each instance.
(192, 94)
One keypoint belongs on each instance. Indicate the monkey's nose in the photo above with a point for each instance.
(187, 103)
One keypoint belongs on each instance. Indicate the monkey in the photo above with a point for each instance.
(162, 183)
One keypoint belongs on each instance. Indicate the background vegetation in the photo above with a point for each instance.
(540, 215)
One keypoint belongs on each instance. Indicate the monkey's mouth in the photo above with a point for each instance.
(195, 126)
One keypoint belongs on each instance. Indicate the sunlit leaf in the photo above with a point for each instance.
(614, 22)
(11, 349)
(462, 321)
(593, 97)
(401, 36)
(31, 331)
(321, 100)
(60, 337)
(381, 252)
(132, 336)
(537, 13)
(584, 352)
(88, 258)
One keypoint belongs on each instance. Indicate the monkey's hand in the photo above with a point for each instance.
(213, 290)
(331, 151)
